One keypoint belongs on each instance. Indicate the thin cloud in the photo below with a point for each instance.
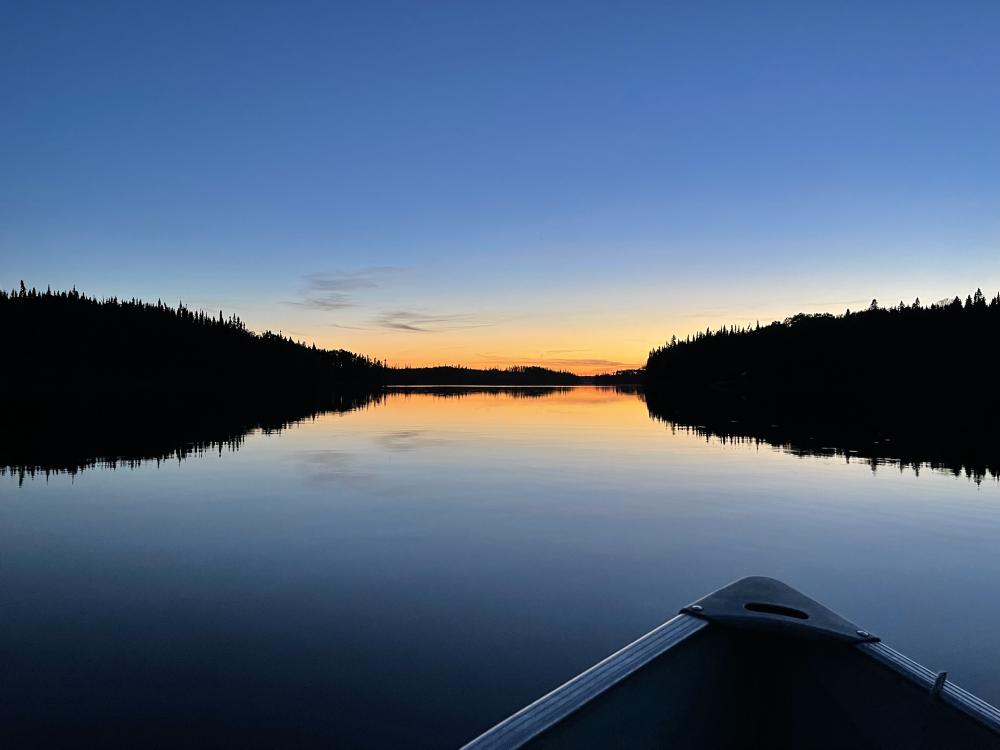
(556, 362)
(331, 301)
(585, 362)
(412, 321)
(335, 291)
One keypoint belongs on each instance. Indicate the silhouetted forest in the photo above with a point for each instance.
(620, 377)
(454, 375)
(67, 347)
(909, 368)
(112, 382)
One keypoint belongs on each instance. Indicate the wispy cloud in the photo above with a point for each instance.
(330, 301)
(414, 321)
(585, 362)
(336, 291)
(556, 362)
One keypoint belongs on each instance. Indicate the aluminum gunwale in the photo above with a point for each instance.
(555, 706)
(950, 693)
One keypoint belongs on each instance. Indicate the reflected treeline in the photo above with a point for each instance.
(117, 382)
(971, 450)
(452, 391)
(75, 440)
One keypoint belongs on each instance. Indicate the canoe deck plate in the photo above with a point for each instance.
(760, 603)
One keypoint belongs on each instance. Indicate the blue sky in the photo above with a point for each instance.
(502, 182)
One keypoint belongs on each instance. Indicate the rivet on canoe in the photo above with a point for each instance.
(864, 633)
(695, 608)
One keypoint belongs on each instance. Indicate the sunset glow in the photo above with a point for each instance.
(480, 186)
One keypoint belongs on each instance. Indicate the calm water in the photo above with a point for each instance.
(412, 572)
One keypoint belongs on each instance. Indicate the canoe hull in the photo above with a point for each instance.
(696, 683)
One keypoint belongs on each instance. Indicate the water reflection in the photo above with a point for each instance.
(73, 441)
(409, 574)
(120, 437)
(968, 450)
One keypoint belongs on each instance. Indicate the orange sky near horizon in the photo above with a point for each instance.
(497, 184)
(581, 348)
(614, 333)
(587, 345)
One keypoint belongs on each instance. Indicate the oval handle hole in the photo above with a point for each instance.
(776, 609)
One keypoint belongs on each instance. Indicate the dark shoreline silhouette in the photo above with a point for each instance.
(633, 377)
(120, 382)
(907, 365)
(457, 375)
(69, 443)
(913, 385)
(107, 382)
(69, 347)
(71, 350)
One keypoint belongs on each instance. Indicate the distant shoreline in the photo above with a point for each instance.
(586, 381)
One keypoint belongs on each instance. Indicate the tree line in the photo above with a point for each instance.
(923, 364)
(69, 346)
(457, 375)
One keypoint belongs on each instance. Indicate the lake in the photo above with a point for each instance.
(412, 571)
